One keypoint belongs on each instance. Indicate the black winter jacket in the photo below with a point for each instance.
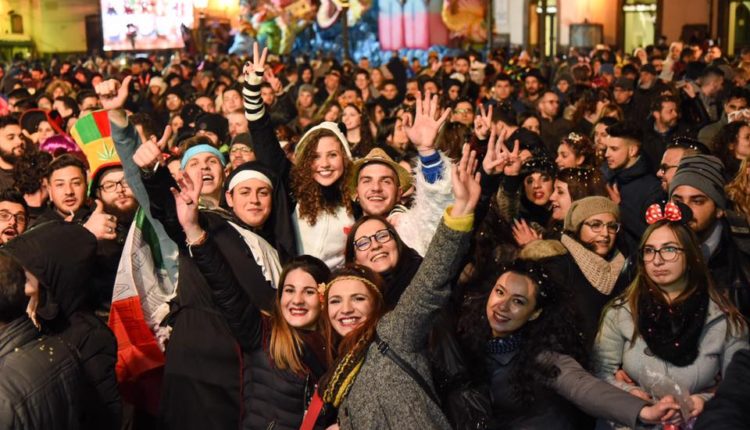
(639, 189)
(40, 385)
(273, 398)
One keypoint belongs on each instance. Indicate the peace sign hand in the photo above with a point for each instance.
(483, 123)
(423, 130)
(498, 156)
(513, 168)
(256, 67)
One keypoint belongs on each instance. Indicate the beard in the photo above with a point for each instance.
(9, 156)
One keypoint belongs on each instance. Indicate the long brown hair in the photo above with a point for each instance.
(697, 274)
(285, 346)
(737, 189)
(309, 194)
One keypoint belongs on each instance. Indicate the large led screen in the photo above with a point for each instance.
(144, 24)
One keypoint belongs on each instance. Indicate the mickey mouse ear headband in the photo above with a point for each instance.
(671, 211)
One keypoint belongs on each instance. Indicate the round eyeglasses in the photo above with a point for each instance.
(365, 242)
(666, 253)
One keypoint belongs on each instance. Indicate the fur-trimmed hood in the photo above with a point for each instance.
(541, 249)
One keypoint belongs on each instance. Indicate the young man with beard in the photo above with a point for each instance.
(13, 215)
(66, 183)
(630, 181)
(552, 126)
(533, 84)
(663, 126)
(12, 146)
(377, 182)
(724, 235)
(110, 188)
(680, 147)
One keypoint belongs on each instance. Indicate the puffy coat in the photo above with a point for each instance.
(40, 387)
(273, 398)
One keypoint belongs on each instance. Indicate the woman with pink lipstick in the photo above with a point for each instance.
(671, 320)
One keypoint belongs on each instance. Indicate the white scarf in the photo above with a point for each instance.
(264, 254)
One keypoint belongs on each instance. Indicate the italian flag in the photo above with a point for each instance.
(139, 303)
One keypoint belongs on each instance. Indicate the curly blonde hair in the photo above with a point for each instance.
(308, 192)
(737, 189)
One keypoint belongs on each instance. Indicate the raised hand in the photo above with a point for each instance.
(148, 154)
(162, 143)
(424, 128)
(513, 167)
(257, 65)
(113, 94)
(101, 224)
(614, 193)
(483, 123)
(523, 233)
(496, 157)
(466, 183)
(275, 82)
(499, 159)
(186, 202)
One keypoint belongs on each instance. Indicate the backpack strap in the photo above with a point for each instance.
(386, 350)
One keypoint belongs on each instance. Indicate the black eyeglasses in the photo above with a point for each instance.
(597, 226)
(6, 216)
(365, 242)
(667, 253)
(111, 186)
(665, 167)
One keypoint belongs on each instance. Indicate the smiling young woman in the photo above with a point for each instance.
(374, 243)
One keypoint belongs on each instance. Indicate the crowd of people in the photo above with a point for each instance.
(480, 242)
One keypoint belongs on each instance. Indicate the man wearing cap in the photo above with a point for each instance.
(241, 150)
(630, 180)
(724, 235)
(174, 99)
(622, 91)
(330, 87)
(676, 150)
(649, 87)
(213, 126)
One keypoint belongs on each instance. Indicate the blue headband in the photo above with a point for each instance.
(198, 149)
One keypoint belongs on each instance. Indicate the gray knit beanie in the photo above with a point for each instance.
(587, 207)
(704, 172)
